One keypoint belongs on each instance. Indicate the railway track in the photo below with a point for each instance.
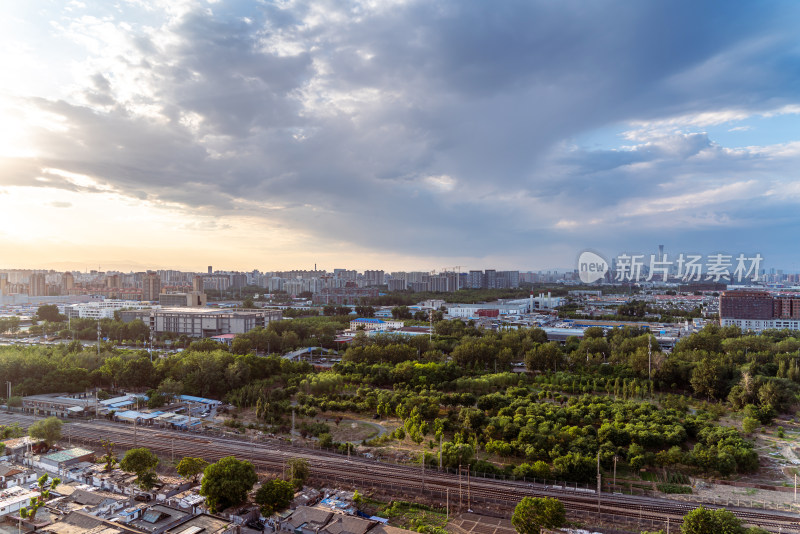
(359, 472)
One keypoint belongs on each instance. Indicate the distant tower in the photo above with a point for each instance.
(210, 270)
(151, 286)
(660, 252)
(67, 283)
(198, 284)
(37, 286)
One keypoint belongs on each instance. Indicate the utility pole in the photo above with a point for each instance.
(8, 396)
(459, 486)
(423, 472)
(469, 509)
(615, 473)
(98, 336)
(447, 510)
(440, 451)
(599, 483)
(135, 435)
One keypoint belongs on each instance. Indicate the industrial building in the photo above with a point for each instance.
(59, 404)
(203, 322)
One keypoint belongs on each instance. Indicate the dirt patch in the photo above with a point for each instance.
(354, 431)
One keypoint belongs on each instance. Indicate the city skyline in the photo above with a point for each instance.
(414, 134)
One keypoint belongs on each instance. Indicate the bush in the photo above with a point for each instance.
(749, 425)
(673, 488)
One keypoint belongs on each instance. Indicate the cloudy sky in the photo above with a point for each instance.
(395, 134)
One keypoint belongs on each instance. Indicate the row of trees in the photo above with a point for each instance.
(533, 514)
(224, 483)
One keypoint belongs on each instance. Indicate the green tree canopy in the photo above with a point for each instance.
(47, 430)
(44, 495)
(274, 495)
(299, 470)
(535, 513)
(704, 521)
(49, 312)
(143, 462)
(227, 482)
(191, 467)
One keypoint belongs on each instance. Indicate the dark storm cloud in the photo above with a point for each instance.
(449, 123)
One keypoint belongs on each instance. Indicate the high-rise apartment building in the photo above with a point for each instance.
(373, 278)
(67, 283)
(151, 286)
(37, 285)
(490, 279)
(475, 279)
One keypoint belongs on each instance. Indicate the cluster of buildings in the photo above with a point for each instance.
(183, 412)
(93, 498)
(178, 288)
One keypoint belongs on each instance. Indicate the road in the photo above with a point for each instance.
(400, 479)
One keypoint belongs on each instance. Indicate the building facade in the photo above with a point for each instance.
(208, 323)
(151, 287)
(759, 310)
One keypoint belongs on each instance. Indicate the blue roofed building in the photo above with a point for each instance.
(371, 323)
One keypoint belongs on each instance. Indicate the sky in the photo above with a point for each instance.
(395, 134)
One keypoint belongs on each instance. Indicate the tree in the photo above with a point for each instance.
(109, 457)
(191, 468)
(455, 454)
(535, 513)
(704, 521)
(274, 495)
(708, 378)
(365, 311)
(143, 462)
(170, 388)
(43, 497)
(248, 303)
(299, 470)
(544, 357)
(241, 346)
(49, 312)
(401, 312)
(749, 425)
(47, 430)
(227, 482)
